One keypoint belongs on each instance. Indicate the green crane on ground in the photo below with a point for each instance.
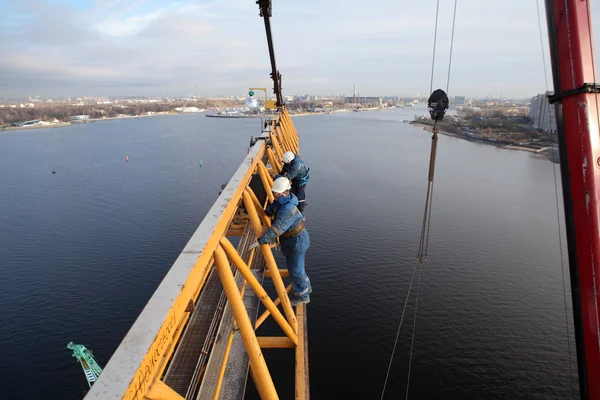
(91, 369)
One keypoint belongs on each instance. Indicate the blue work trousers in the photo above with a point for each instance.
(294, 250)
(299, 192)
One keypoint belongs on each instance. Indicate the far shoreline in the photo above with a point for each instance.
(429, 128)
(8, 129)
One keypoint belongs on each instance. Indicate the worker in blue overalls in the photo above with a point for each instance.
(297, 172)
(293, 238)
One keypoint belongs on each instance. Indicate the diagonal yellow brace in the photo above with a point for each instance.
(261, 213)
(276, 146)
(262, 166)
(289, 135)
(265, 182)
(266, 313)
(263, 381)
(286, 115)
(284, 141)
(273, 161)
(290, 131)
(233, 255)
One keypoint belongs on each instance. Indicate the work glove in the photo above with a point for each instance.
(256, 244)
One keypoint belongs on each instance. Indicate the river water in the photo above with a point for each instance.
(82, 251)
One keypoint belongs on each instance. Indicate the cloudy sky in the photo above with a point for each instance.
(156, 48)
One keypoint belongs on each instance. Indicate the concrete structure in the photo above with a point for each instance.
(544, 117)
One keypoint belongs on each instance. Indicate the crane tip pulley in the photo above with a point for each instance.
(265, 7)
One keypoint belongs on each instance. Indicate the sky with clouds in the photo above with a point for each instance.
(157, 48)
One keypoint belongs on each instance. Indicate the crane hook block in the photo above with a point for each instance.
(438, 104)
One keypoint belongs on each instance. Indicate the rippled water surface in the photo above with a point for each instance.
(83, 250)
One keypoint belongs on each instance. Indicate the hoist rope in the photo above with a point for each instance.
(451, 46)
(399, 328)
(426, 225)
(437, 10)
(560, 244)
(412, 342)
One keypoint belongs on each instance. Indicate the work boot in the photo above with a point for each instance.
(296, 301)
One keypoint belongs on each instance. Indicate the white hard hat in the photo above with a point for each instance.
(281, 184)
(288, 157)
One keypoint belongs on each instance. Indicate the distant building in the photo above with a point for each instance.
(544, 117)
(532, 108)
(79, 118)
(375, 101)
(459, 100)
(190, 109)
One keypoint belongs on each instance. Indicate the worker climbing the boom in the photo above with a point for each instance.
(293, 238)
(297, 172)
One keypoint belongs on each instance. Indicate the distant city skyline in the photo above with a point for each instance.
(155, 48)
(290, 97)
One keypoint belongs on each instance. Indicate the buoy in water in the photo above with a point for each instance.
(200, 162)
(126, 159)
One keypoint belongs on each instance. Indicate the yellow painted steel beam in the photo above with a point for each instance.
(287, 116)
(266, 313)
(283, 272)
(280, 139)
(262, 166)
(233, 255)
(283, 139)
(263, 381)
(289, 135)
(302, 382)
(271, 264)
(265, 182)
(276, 145)
(275, 342)
(273, 161)
(161, 391)
(261, 213)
